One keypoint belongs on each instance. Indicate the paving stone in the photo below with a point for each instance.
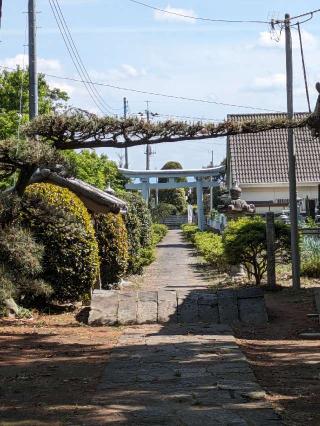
(104, 308)
(228, 306)
(167, 306)
(187, 308)
(127, 312)
(208, 307)
(147, 309)
(253, 311)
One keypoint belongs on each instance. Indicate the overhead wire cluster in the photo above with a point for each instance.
(76, 58)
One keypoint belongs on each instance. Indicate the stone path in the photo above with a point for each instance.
(174, 268)
(179, 374)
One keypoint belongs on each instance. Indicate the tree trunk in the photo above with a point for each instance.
(24, 179)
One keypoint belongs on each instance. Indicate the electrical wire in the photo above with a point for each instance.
(304, 67)
(183, 98)
(73, 56)
(198, 18)
(76, 51)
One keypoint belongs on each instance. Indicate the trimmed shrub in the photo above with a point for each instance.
(189, 231)
(60, 221)
(245, 243)
(210, 246)
(139, 227)
(20, 267)
(310, 257)
(112, 239)
(158, 233)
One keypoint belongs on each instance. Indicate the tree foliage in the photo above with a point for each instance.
(245, 243)
(76, 129)
(14, 96)
(95, 169)
(175, 196)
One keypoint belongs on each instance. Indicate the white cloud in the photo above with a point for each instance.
(44, 65)
(310, 42)
(269, 83)
(124, 72)
(62, 86)
(175, 14)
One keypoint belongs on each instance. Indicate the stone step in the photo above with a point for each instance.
(110, 307)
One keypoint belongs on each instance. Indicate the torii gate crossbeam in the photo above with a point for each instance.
(199, 182)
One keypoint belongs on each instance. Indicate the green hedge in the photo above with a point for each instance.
(189, 231)
(112, 239)
(158, 233)
(210, 246)
(139, 227)
(61, 223)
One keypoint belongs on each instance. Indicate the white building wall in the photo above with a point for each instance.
(274, 193)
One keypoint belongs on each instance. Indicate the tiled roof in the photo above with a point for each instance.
(263, 157)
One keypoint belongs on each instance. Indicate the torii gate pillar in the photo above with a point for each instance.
(201, 221)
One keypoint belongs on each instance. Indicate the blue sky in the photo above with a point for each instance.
(131, 46)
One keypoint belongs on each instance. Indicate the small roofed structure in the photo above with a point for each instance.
(96, 200)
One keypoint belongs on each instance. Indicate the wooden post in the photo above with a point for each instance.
(271, 259)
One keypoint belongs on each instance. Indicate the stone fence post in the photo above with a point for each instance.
(271, 258)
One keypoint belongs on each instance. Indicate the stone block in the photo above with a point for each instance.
(253, 310)
(127, 312)
(188, 307)
(249, 292)
(208, 308)
(317, 299)
(228, 306)
(104, 308)
(167, 306)
(147, 309)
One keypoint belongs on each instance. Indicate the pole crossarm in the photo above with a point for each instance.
(76, 130)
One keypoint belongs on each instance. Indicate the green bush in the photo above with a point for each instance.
(112, 239)
(60, 221)
(161, 211)
(139, 227)
(189, 231)
(245, 243)
(158, 233)
(210, 246)
(20, 267)
(310, 257)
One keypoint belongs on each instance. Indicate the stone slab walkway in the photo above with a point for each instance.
(180, 375)
(174, 267)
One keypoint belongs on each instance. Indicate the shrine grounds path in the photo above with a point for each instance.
(179, 374)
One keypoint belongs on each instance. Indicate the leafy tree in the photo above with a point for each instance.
(176, 196)
(245, 243)
(95, 169)
(14, 96)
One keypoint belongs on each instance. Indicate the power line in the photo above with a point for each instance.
(312, 12)
(73, 55)
(102, 101)
(304, 68)
(183, 98)
(164, 95)
(198, 18)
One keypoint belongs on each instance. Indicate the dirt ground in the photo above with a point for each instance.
(286, 365)
(49, 369)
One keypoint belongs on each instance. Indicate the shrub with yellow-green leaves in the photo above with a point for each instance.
(61, 223)
(112, 239)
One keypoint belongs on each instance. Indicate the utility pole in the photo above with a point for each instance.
(148, 150)
(292, 162)
(126, 158)
(33, 76)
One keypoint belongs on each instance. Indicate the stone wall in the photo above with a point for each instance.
(110, 307)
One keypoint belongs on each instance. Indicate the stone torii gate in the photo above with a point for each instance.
(200, 181)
